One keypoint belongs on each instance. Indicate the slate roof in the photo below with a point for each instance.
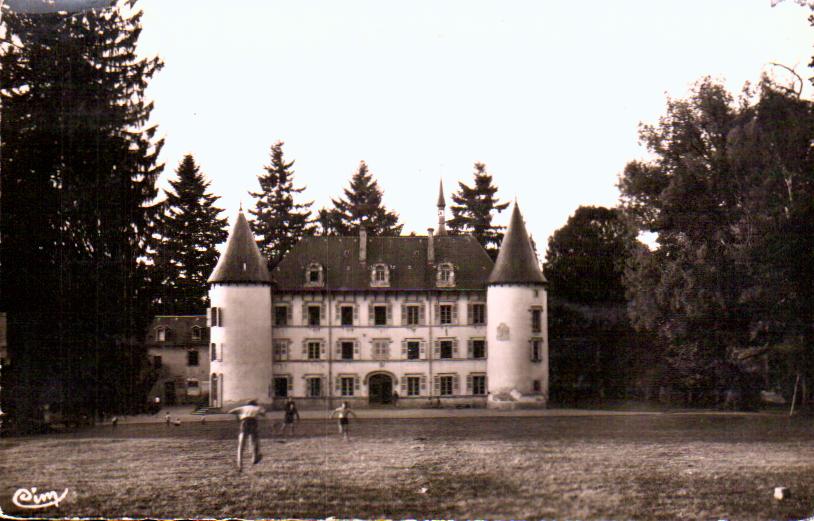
(179, 330)
(441, 201)
(241, 261)
(406, 256)
(516, 262)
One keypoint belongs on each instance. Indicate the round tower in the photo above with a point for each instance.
(240, 322)
(517, 328)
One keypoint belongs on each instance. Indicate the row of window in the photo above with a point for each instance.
(411, 349)
(380, 275)
(313, 314)
(165, 333)
(378, 315)
(380, 349)
(410, 385)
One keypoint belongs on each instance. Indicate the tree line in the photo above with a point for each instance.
(721, 307)
(89, 249)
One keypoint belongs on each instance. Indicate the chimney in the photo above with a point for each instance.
(362, 244)
(430, 246)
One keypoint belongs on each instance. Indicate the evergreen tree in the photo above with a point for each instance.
(279, 222)
(79, 171)
(361, 206)
(474, 209)
(189, 230)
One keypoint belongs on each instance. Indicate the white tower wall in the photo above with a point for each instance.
(509, 367)
(243, 364)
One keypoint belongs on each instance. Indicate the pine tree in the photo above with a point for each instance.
(279, 222)
(361, 206)
(79, 171)
(474, 209)
(189, 230)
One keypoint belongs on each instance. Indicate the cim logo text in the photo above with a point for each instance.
(29, 498)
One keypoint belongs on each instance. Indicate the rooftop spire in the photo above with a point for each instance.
(516, 263)
(241, 260)
(442, 214)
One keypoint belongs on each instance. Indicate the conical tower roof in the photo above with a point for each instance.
(516, 262)
(441, 202)
(242, 261)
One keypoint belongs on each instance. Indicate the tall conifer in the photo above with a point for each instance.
(361, 206)
(189, 230)
(279, 222)
(79, 171)
(474, 209)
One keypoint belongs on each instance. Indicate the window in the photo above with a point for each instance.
(314, 348)
(346, 315)
(157, 362)
(347, 350)
(445, 276)
(313, 387)
(446, 383)
(280, 315)
(380, 275)
(214, 317)
(380, 315)
(536, 320)
(314, 315)
(195, 333)
(412, 316)
(381, 349)
(413, 349)
(536, 387)
(313, 275)
(346, 385)
(192, 358)
(280, 350)
(479, 348)
(445, 315)
(446, 349)
(213, 352)
(536, 350)
(478, 384)
(161, 334)
(413, 385)
(193, 388)
(281, 385)
(478, 314)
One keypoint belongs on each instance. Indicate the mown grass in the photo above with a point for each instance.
(602, 467)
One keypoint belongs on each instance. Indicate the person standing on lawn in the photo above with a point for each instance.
(248, 414)
(343, 413)
(290, 415)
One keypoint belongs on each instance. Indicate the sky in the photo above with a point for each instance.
(549, 95)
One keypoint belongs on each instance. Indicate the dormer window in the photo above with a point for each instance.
(162, 334)
(380, 276)
(314, 275)
(445, 277)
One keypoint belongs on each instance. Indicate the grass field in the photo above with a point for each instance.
(670, 466)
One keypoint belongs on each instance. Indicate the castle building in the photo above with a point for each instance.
(374, 320)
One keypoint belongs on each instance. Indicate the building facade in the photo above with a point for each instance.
(410, 321)
(178, 348)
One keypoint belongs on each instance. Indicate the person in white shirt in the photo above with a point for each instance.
(248, 414)
(344, 413)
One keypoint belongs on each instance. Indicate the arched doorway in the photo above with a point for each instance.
(380, 388)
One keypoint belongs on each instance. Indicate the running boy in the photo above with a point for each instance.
(344, 413)
(247, 415)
